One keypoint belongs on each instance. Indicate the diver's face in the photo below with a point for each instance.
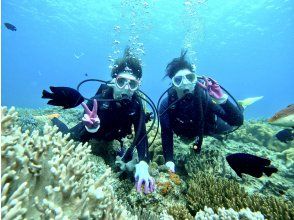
(125, 85)
(184, 79)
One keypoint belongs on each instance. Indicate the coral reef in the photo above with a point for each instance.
(259, 133)
(50, 177)
(229, 214)
(205, 189)
(43, 174)
(211, 160)
(35, 119)
(288, 156)
(179, 212)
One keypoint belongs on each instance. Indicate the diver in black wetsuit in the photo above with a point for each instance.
(113, 120)
(194, 107)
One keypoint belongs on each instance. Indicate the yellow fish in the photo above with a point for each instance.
(54, 115)
(249, 101)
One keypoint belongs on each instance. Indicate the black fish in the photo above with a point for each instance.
(10, 26)
(63, 96)
(285, 135)
(250, 164)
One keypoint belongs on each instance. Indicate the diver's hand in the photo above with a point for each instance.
(91, 119)
(142, 176)
(171, 166)
(214, 90)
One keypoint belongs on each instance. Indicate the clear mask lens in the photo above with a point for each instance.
(177, 80)
(121, 82)
(191, 77)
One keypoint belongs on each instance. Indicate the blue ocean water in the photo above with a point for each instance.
(247, 46)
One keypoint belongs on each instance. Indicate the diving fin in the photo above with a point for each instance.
(249, 101)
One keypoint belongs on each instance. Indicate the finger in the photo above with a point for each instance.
(201, 85)
(87, 118)
(95, 106)
(212, 80)
(95, 120)
(152, 185)
(86, 109)
(147, 187)
(139, 185)
(207, 81)
(87, 121)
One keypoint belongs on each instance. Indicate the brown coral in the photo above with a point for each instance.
(164, 187)
(218, 192)
(175, 178)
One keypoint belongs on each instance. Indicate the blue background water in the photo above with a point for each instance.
(248, 46)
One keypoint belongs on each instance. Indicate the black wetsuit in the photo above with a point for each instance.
(194, 116)
(116, 120)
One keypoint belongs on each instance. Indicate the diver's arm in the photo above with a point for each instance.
(166, 132)
(140, 126)
(228, 112)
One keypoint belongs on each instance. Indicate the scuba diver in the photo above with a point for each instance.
(110, 114)
(195, 106)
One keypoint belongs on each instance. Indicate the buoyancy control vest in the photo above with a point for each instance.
(187, 116)
(120, 115)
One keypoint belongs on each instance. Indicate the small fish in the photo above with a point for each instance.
(63, 96)
(10, 26)
(284, 118)
(285, 135)
(249, 101)
(250, 164)
(78, 56)
(86, 74)
(51, 116)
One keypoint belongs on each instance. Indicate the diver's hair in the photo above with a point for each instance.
(177, 64)
(127, 63)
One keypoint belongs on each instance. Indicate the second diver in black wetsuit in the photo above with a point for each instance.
(193, 108)
(113, 120)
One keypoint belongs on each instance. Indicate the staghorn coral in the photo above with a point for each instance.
(179, 212)
(228, 214)
(217, 192)
(210, 160)
(46, 177)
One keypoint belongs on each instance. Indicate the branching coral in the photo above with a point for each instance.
(179, 212)
(50, 177)
(217, 192)
(210, 160)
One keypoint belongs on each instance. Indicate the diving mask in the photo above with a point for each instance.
(125, 79)
(184, 77)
